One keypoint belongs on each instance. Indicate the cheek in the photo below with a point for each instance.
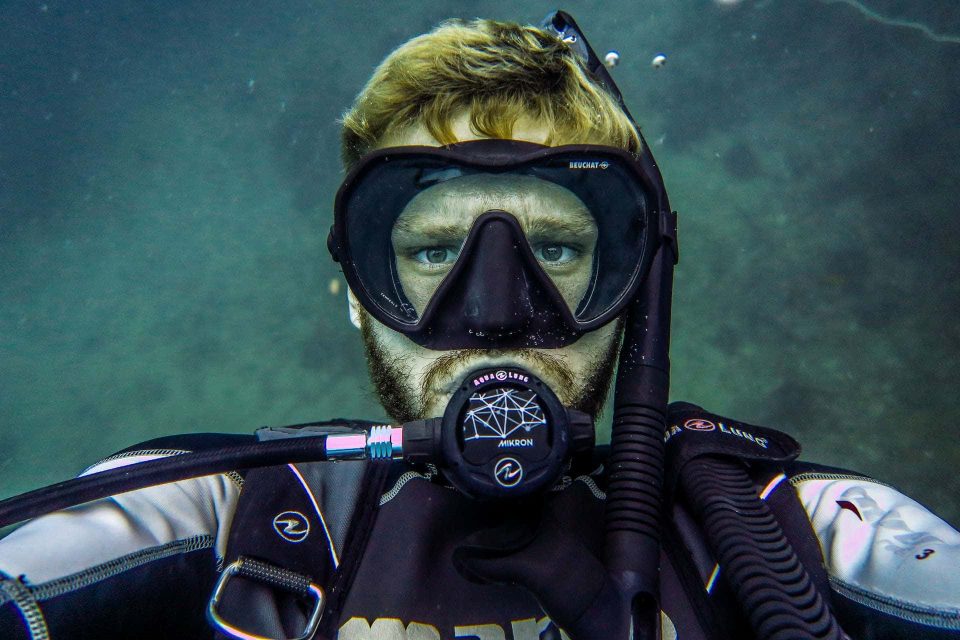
(403, 352)
(582, 356)
(418, 288)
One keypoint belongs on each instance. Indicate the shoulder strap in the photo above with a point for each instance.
(309, 520)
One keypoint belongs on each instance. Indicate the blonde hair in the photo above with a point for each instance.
(498, 72)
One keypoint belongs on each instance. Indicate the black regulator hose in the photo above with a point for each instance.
(153, 472)
(636, 463)
(773, 588)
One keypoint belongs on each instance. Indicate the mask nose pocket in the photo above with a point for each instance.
(497, 290)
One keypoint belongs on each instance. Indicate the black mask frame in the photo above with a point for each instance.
(479, 303)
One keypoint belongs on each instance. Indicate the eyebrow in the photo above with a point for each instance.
(450, 217)
(578, 225)
(440, 231)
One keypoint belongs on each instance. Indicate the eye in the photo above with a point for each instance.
(436, 256)
(555, 253)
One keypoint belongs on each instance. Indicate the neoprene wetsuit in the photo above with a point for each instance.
(143, 564)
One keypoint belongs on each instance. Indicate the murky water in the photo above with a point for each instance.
(166, 183)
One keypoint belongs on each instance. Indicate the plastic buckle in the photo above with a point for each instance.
(234, 632)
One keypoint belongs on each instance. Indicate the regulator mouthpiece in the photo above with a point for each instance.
(505, 434)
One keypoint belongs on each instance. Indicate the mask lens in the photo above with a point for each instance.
(583, 215)
(428, 236)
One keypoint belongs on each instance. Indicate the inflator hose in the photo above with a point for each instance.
(153, 472)
(773, 588)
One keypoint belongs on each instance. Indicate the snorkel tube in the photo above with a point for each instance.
(636, 463)
(633, 511)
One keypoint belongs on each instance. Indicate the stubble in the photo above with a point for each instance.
(406, 399)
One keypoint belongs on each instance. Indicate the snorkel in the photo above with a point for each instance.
(636, 463)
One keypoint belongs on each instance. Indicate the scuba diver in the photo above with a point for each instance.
(507, 240)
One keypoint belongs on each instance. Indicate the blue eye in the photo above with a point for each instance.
(436, 256)
(555, 253)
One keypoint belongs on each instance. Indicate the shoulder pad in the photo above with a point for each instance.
(692, 432)
(885, 552)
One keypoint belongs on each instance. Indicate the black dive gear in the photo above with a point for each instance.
(556, 245)
(442, 244)
(430, 256)
(504, 434)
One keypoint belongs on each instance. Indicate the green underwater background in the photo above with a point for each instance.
(167, 172)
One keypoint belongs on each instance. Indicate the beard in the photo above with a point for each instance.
(406, 399)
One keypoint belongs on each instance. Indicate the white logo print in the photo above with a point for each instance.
(292, 526)
(588, 164)
(508, 472)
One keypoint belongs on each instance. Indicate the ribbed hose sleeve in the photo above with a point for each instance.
(773, 588)
(636, 463)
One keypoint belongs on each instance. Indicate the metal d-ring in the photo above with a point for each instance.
(213, 616)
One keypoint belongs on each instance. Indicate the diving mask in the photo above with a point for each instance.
(498, 243)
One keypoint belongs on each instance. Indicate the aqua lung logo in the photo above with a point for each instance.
(501, 376)
(292, 526)
(744, 435)
(508, 472)
(699, 424)
(692, 424)
(589, 164)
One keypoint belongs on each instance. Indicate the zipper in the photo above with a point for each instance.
(24, 599)
(821, 475)
(140, 452)
(233, 475)
(111, 568)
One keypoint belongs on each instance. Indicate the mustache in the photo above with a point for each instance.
(406, 399)
(446, 364)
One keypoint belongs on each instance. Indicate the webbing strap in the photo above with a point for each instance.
(275, 576)
(305, 524)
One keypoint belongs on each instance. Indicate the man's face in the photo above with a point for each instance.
(415, 382)
(431, 229)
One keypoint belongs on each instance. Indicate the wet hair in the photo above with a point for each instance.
(496, 71)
